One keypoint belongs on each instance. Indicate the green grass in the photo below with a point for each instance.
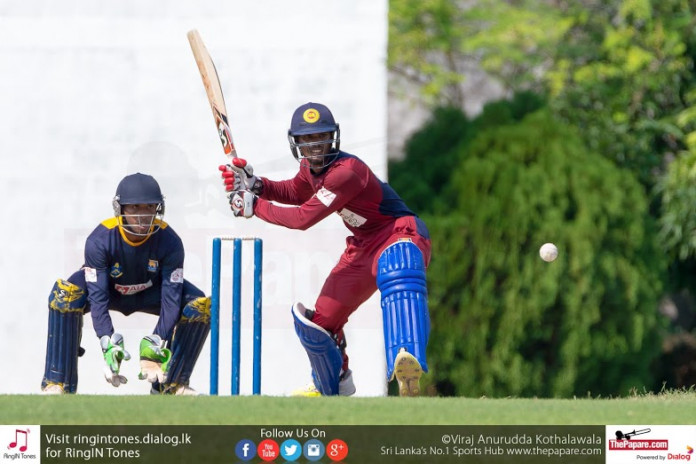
(678, 407)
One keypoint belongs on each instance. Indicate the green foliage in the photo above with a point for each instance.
(621, 71)
(424, 37)
(677, 189)
(619, 77)
(515, 42)
(507, 323)
(427, 167)
(423, 177)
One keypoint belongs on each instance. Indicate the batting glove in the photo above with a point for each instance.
(242, 203)
(154, 359)
(114, 353)
(240, 176)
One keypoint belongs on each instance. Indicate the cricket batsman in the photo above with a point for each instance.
(388, 251)
(134, 262)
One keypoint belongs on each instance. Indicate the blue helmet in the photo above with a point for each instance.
(139, 189)
(314, 118)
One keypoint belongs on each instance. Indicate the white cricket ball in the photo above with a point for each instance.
(548, 252)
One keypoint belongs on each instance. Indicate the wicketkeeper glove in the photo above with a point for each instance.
(242, 203)
(114, 353)
(240, 176)
(154, 359)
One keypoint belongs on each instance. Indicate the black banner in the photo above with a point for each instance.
(323, 444)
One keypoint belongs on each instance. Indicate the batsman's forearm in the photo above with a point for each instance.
(302, 217)
(284, 192)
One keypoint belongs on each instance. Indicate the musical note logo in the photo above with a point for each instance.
(22, 448)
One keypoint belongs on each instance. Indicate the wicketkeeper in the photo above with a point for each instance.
(389, 251)
(134, 262)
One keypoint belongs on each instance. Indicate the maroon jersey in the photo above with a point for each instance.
(347, 187)
(370, 209)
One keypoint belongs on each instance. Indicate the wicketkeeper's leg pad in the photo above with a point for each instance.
(66, 306)
(324, 355)
(187, 342)
(404, 295)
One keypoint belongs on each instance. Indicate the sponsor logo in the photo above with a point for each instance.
(638, 445)
(326, 196)
(90, 274)
(351, 218)
(132, 289)
(177, 276)
(21, 443)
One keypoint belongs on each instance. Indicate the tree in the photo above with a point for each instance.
(423, 177)
(434, 44)
(505, 322)
(426, 169)
(620, 75)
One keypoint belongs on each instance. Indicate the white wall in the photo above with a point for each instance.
(92, 91)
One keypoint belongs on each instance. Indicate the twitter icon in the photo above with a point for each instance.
(291, 450)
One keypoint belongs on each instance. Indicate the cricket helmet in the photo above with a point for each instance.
(314, 118)
(139, 189)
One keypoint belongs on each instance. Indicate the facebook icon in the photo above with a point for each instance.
(245, 450)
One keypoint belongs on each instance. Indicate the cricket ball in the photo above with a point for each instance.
(548, 252)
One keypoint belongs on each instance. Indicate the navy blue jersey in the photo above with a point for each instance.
(129, 277)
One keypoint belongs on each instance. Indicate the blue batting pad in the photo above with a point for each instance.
(187, 342)
(324, 355)
(66, 305)
(401, 281)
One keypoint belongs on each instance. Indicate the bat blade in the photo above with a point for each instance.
(213, 90)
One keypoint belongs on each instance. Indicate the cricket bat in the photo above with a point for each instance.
(213, 90)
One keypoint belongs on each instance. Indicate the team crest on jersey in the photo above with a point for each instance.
(116, 271)
(152, 265)
(311, 115)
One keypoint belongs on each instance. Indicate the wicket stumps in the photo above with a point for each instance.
(236, 312)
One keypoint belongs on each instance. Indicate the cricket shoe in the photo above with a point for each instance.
(176, 390)
(346, 387)
(53, 389)
(408, 372)
(184, 390)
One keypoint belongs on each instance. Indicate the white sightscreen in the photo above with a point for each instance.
(93, 91)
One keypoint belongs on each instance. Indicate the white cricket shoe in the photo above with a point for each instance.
(185, 390)
(408, 372)
(177, 390)
(346, 387)
(53, 389)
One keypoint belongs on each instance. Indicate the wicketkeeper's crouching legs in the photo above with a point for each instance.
(66, 306)
(401, 282)
(169, 370)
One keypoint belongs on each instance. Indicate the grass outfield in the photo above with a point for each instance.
(665, 408)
